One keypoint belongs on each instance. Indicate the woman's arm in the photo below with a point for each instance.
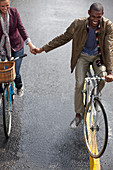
(24, 34)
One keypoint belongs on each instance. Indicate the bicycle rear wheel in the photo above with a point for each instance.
(95, 128)
(7, 112)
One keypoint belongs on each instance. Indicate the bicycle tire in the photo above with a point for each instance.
(95, 141)
(7, 112)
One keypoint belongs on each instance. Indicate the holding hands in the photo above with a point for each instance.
(37, 50)
(33, 49)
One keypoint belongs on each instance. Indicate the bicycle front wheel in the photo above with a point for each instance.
(7, 112)
(95, 128)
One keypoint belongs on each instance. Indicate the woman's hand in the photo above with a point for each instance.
(34, 50)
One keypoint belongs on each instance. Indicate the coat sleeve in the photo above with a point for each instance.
(20, 27)
(61, 39)
(109, 47)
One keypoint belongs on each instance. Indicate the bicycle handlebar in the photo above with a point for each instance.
(94, 78)
(13, 59)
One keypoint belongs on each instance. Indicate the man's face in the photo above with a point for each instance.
(94, 18)
(4, 6)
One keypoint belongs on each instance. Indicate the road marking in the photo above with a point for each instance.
(94, 163)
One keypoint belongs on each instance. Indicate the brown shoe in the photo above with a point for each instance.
(76, 121)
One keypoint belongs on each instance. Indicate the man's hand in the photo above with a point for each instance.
(37, 50)
(109, 78)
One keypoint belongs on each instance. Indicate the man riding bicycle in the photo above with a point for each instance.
(92, 41)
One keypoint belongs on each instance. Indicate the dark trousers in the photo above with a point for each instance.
(18, 80)
(1, 89)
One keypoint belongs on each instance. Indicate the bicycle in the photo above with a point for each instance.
(95, 124)
(7, 77)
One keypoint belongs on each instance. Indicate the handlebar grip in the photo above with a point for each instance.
(24, 55)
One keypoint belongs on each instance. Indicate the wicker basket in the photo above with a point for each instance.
(7, 71)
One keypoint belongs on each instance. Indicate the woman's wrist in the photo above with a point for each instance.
(31, 45)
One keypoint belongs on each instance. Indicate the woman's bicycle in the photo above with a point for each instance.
(7, 77)
(95, 125)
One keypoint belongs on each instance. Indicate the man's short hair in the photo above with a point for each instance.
(96, 7)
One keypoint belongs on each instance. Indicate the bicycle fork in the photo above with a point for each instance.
(11, 89)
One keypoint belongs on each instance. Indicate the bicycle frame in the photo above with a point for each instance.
(7, 103)
(92, 91)
(91, 84)
(11, 87)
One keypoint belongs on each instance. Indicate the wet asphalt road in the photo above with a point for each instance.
(41, 137)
